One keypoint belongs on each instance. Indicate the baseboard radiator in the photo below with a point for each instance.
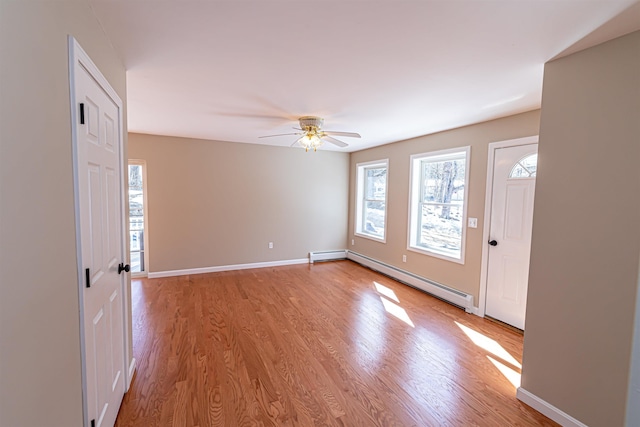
(327, 256)
(445, 293)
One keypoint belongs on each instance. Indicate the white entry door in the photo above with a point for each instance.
(102, 242)
(514, 181)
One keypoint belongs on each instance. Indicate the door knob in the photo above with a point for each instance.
(123, 267)
(493, 243)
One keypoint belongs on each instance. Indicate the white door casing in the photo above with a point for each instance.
(508, 221)
(98, 174)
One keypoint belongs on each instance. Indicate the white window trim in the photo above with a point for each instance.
(145, 253)
(414, 177)
(357, 223)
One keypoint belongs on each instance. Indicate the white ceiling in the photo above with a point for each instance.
(390, 70)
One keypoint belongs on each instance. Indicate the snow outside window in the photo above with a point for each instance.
(439, 183)
(371, 203)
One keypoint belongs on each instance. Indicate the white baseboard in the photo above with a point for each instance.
(547, 409)
(132, 368)
(202, 270)
(327, 255)
(438, 290)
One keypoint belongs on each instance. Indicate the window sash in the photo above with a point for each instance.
(367, 183)
(439, 240)
(365, 214)
(369, 193)
(448, 240)
(137, 218)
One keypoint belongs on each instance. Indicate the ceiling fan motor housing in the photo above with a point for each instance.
(311, 122)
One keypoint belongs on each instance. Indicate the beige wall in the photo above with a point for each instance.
(218, 203)
(463, 277)
(40, 371)
(586, 235)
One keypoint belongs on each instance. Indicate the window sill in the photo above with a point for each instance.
(371, 237)
(436, 254)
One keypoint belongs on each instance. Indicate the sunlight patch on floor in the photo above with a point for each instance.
(388, 296)
(493, 347)
(387, 292)
(397, 311)
(490, 345)
(513, 376)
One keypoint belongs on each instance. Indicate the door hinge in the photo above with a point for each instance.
(93, 423)
(87, 277)
(81, 113)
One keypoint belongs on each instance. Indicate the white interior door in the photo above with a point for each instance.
(510, 233)
(102, 239)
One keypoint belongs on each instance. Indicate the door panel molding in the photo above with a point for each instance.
(484, 269)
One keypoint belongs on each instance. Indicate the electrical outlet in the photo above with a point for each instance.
(404, 258)
(473, 222)
(270, 245)
(353, 242)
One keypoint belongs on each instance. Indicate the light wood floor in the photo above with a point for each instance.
(313, 345)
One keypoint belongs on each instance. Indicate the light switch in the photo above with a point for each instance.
(473, 222)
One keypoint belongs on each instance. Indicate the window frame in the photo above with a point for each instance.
(361, 169)
(145, 228)
(416, 162)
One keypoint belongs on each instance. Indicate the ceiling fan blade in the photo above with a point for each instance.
(335, 141)
(280, 134)
(349, 134)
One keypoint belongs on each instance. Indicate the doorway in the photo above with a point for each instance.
(511, 176)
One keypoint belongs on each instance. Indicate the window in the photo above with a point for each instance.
(525, 168)
(439, 184)
(136, 216)
(371, 203)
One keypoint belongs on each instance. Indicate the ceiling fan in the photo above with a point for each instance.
(311, 134)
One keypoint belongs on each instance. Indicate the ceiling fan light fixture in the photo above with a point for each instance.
(310, 140)
(313, 136)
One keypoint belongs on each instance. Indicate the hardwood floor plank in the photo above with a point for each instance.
(330, 344)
